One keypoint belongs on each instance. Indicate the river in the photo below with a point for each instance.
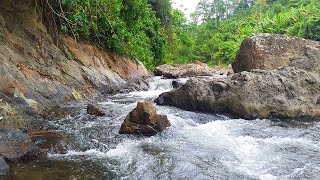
(196, 146)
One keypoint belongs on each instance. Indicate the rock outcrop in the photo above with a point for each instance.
(270, 51)
(187, 70)
(14, 143)
(144, 120)
(36, 73)
(93, 109)
(292, 91)
(284, 93)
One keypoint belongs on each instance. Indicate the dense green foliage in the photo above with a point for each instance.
(127, 27)
(224, 24)
(153, 32)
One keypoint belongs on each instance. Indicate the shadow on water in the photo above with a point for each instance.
(58, 169)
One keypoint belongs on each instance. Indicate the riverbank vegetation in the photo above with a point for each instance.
(155, 33)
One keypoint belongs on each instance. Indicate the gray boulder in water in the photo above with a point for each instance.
(283, 93)
(144, 120)
(14, 143)
(278, 77)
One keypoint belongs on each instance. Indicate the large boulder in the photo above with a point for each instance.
(4, 167)
(187, 70)
(144, 120)
(270, 51)
(282, 93)
(14, 143)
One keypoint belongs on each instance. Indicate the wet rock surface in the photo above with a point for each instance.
(283, 93)
(193, 69)
(14, 143)
(177, 84)
(270, 51)
(144, 120)
(94, 109)
(282, 82)
(48, 141)
(60, 112)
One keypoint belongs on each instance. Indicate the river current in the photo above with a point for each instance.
(196, 146)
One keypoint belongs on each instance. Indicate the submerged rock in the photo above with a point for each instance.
(144, 120)
(93, 109)
(281, 93)
(4, 167)
(48, 141)
(270, 51)
(14, 143)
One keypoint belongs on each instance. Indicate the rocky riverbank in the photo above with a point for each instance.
(38, 75)
(291, 89)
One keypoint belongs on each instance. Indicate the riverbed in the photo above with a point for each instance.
(196, 146)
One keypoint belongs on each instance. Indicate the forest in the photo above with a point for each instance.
(155, 33)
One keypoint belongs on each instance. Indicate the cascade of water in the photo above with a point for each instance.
(196, 146)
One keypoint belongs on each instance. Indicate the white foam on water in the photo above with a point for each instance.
(242, 154)
(267, 177)
(159, 83)
(147, 94)
(106, 103)
(198, 146)
(94, 153)
(156, 87)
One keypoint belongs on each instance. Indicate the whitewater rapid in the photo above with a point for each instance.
(196, 146)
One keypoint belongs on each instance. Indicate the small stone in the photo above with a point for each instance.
(4, 167)
(93, 109)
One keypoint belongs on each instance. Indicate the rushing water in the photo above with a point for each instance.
(196, 146)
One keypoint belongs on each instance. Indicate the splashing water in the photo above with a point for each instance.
(196, 146)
